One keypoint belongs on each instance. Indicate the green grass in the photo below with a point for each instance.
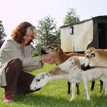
(54, 94)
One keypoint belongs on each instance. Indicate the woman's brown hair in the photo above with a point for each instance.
(20, 31)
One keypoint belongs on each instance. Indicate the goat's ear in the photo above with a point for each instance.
(56, 49)
(93, 55)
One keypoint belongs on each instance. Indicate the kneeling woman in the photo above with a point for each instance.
(16, 61)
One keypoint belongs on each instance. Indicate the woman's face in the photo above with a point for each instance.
(28, 37)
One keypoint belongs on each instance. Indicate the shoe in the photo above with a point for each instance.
(8, 98)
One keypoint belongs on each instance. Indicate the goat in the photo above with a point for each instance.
(59, 57)
(70, 70)
(97, 57)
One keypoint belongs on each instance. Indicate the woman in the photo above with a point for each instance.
(16, 61)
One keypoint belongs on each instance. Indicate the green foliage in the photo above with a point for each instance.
(71, 17)
(49, 33)
(54, 94)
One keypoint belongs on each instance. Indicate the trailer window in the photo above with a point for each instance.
(71, 30)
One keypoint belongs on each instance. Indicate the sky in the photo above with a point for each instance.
(13, 12)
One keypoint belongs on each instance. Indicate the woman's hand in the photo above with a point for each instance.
(50, 61)
(48, 58)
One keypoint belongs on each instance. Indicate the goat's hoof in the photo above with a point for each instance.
(78, 93)
(88, 99)
(71, 99)
(69, 92)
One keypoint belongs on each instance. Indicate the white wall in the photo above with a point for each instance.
(83, 35)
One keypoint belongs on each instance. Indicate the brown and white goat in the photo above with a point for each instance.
(60, 57)
(70, 70)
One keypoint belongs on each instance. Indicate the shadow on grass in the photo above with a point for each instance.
(48, 101)
(40, 101)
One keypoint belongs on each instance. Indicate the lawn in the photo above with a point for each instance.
(54, 94)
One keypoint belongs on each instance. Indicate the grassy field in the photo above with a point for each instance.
(54, 94)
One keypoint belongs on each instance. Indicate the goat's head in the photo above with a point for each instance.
(38, 81)
(51, 49)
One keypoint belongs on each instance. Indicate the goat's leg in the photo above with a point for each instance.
(69, 85)
(105, 83)
(86, 89)
(92, 85)
(73, 91)
(101, 86)
(77, 85)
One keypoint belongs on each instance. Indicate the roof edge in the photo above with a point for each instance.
(93, 18)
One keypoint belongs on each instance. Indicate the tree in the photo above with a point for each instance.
(71, 17)
(48, 32)
(2, 33)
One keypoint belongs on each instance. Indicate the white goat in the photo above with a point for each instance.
(71, 71)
